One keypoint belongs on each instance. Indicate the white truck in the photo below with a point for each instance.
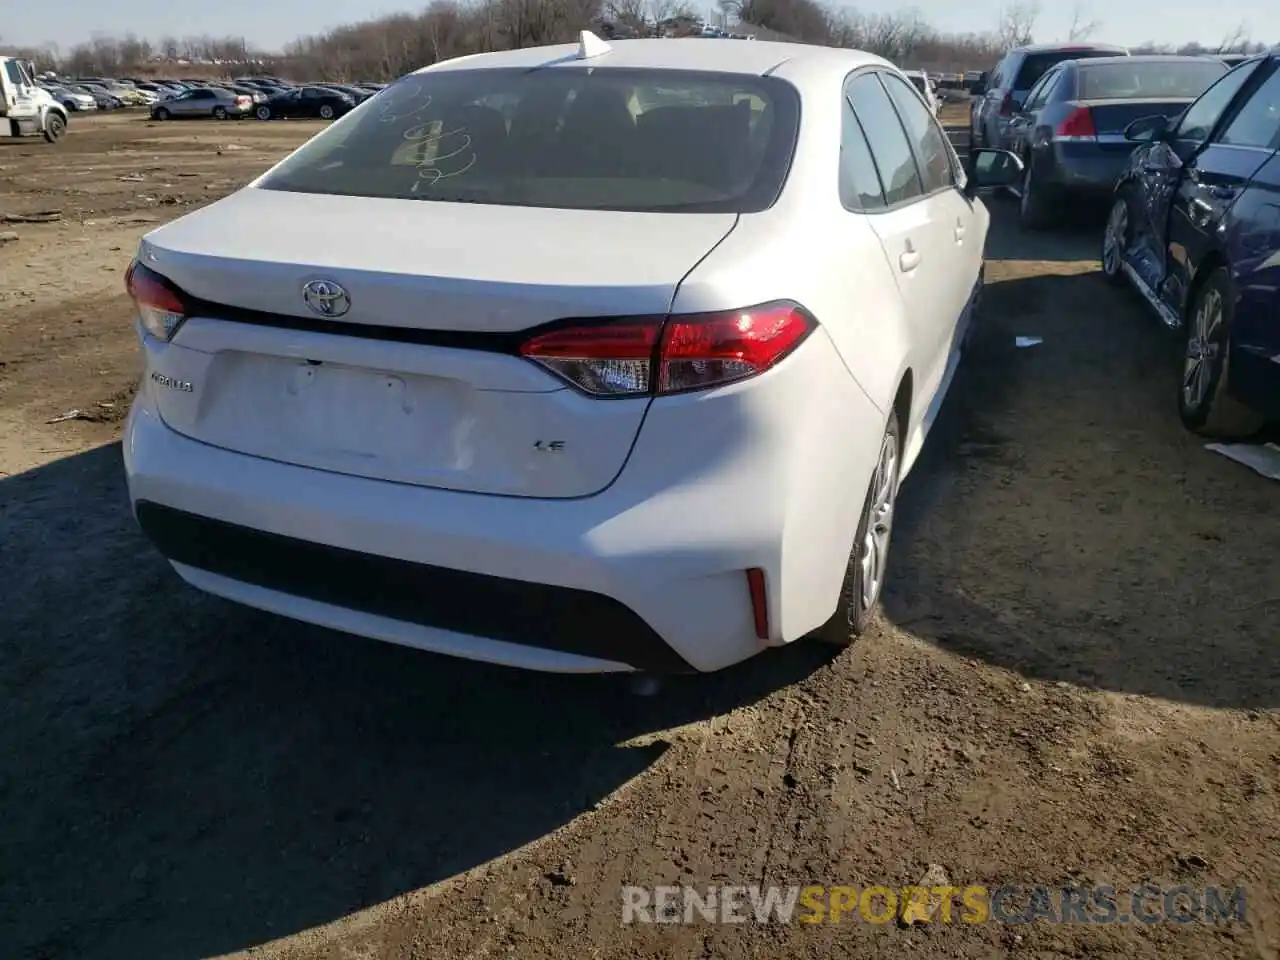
(26, 109)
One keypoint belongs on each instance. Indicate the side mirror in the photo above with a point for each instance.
(1146, 129)
(990, 169)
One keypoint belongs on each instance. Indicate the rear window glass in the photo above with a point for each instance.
(917, 82)
(1036, 65)
(1117, 81)
(566, 137)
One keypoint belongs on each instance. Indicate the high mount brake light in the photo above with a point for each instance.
(644, 356)
(161, 309)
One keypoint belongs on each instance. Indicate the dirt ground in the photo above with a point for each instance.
(1076, 678)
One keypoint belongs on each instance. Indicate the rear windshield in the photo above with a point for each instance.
(1118, 81)
(1036, 65)
(565, 137)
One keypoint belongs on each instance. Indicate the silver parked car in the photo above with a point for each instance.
(204, 102)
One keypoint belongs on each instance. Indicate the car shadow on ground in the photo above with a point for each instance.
(1064, 525)
(1078, 236)
(182, 777)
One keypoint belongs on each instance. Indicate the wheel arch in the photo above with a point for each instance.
(1211, 262)
(902, 400)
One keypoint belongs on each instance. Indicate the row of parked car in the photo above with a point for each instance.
(1185, 152)
(264, 97)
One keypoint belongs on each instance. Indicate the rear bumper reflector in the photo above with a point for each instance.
(759, 602)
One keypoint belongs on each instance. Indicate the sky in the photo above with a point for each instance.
(271, 24)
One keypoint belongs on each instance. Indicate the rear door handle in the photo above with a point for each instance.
(908, 260)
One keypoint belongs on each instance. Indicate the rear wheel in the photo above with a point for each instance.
(326, 112)
(1117, 237)
(1036, 207)
(219, 113)
(162, 114)
(1204, 403)
(868, 560)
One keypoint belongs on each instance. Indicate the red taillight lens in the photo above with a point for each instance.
(704, 350)
(604, 360)
(161, 309)
(634, 357)
(1077, 126)
(1008, 106)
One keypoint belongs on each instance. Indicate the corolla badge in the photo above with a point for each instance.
(325, 298)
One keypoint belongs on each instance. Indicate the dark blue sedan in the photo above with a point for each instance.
(1070, 131)
(1195, 227)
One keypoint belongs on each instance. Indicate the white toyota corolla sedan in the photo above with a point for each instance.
(577, 358)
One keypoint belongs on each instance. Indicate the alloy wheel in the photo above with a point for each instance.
(1202, 350)
(1113, 241)
(874, 551)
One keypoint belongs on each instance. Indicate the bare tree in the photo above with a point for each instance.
(1017, 23)
(632, 14)
(1081, 29)
(729, 10)
(1237, 41)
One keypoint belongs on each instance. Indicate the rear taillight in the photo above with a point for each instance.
(1078, 125)
(1008, 106)
(661, 355)
(244, 100)
(161, 309)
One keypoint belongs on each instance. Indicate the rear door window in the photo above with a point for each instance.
(571, 138)
(926, 136)
(860, 187)
(1040, 95)
(888, 140)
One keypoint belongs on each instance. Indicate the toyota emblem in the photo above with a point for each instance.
(325, 298)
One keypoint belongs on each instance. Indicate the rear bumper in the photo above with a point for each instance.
(1082, 171)
(649, 574)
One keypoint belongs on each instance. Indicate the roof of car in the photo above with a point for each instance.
(682, 53)
(1060, 47)
(1143, 58)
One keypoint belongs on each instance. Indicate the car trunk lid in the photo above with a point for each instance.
(1111, 117)
(417, 382)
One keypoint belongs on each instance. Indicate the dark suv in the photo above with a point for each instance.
(1013, 77)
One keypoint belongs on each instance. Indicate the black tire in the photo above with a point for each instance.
(1205, 405)
(853, 612)
(263, 112)
(161, 114)
(219, 113)
(326, 112)
(1121, 216)
(1037, 208)
(54, 127)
